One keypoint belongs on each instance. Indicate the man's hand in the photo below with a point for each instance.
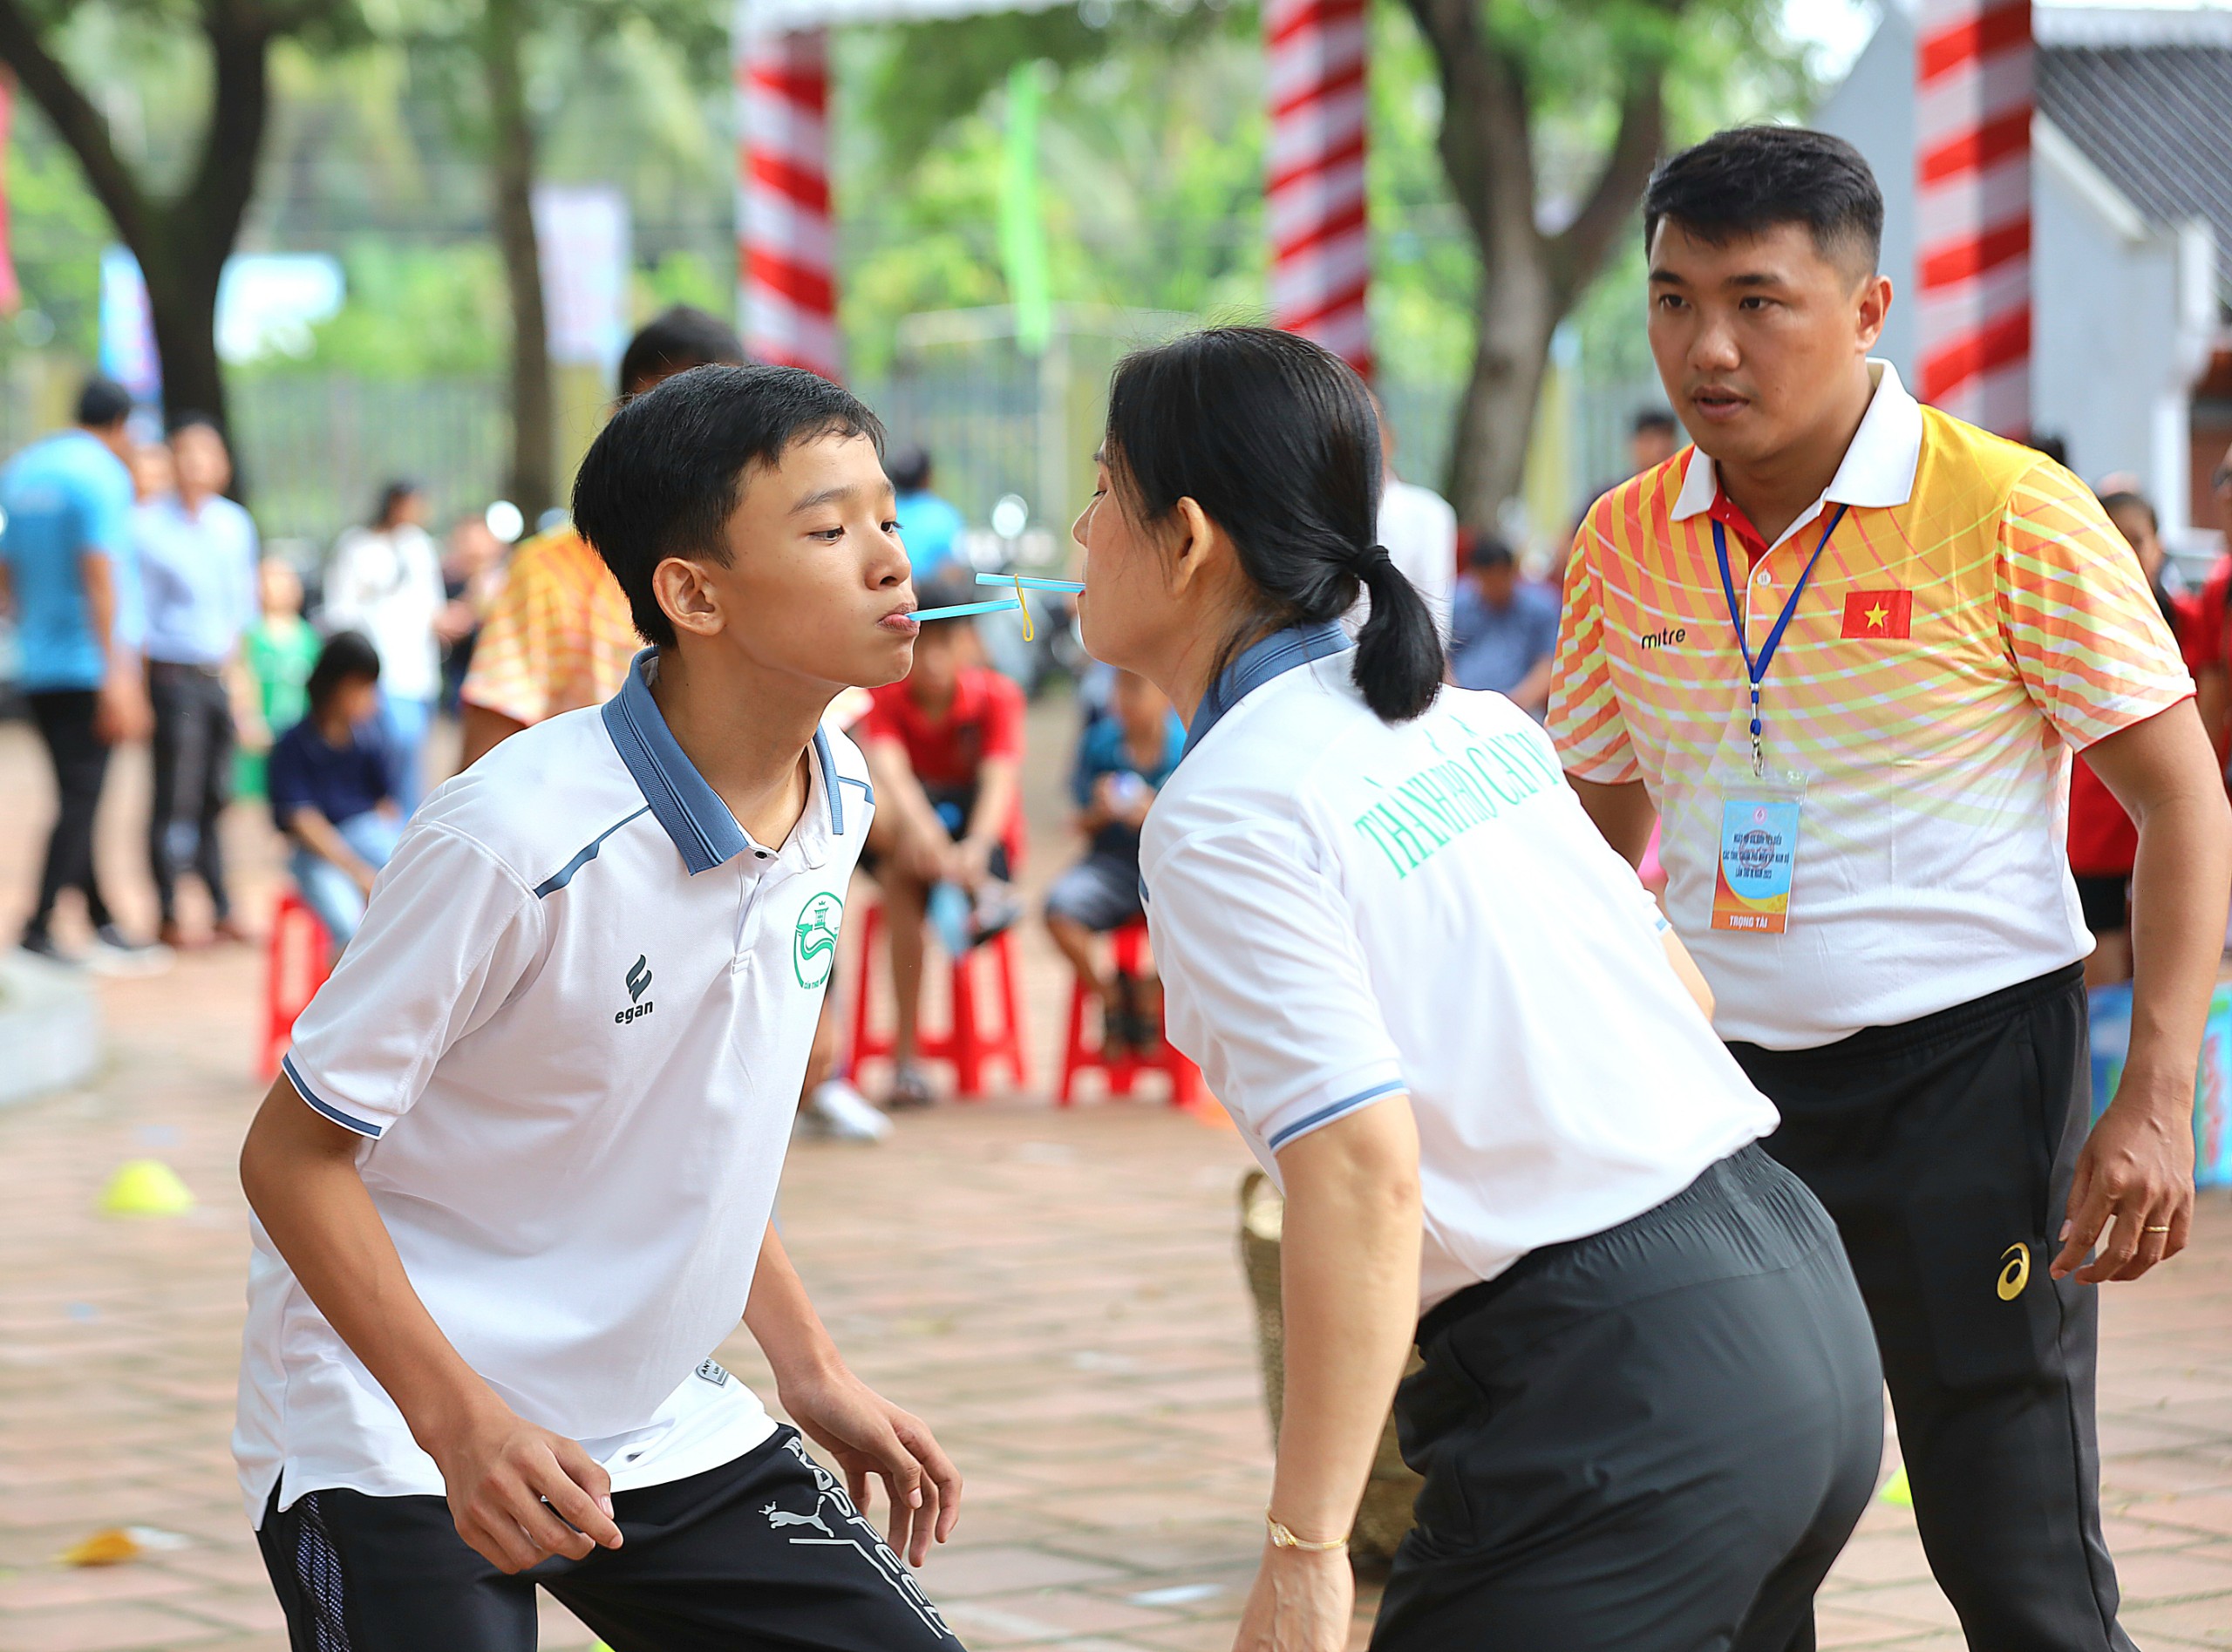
(364, 877)
(868, 1435)
(972, 862)
(1302, 1602)
(2137, 1166)
(519, 1493)
(122, 714)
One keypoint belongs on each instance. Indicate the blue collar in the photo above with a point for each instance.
(693, 813)
(1258, 664)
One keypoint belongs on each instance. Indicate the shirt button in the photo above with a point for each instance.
(762, 853)
(1766, 578)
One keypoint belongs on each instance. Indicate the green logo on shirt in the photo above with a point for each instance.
(813, 943)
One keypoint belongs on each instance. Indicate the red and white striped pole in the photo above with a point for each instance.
(1321, 246)
(1972, 146)
(787, 281)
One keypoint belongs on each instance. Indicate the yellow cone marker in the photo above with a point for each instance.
(111, 1548)
(1896, 1491)
(146, 1187)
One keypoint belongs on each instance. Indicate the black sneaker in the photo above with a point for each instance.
(40, 944)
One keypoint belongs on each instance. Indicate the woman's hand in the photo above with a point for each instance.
(1302, 1601)
(868, 1435)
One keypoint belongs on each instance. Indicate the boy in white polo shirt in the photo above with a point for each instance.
(514, 1185)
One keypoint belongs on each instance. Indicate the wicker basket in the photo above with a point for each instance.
(1385, 1515)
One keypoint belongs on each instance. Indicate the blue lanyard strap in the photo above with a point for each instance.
(1756, 670)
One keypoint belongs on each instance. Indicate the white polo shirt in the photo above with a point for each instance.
(1342, 909)
(571, 1032)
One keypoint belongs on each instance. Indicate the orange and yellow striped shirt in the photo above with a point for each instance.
(1974, 617)
(558, 636)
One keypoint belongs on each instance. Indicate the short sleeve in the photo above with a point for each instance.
(447, 936)
(1585, 719)
(1265, 981)
(2087, 636)
(1088, 768)
(286, 779)
(1003, 718)
(514, 656)
(108, 508)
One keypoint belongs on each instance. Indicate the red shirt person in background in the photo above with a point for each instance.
(957, 725)
(2103, 842)
(2208, 645)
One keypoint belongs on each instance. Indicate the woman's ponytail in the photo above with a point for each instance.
(1398, 652)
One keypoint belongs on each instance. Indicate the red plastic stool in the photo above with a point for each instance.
(968, 1045)
(1118, 1072)
(296, 963)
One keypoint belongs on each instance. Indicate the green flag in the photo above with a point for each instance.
(1023, 226)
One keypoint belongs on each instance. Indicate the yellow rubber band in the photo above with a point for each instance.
(1025, 607)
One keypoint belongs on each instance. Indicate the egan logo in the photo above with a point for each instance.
(1665, 639)
(639, 982)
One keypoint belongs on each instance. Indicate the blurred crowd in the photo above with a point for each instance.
(145, 608)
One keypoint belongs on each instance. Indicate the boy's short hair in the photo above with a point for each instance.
(1752, 179)
(675, 340)
(1488, 554)
(950, 590)
(102, 403)
(1654, 419)
(2128, 500)
(910, 469)
(663, 478)
(346, 655)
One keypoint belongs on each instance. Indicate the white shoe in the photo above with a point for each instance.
(846, 1115)
(112, 955)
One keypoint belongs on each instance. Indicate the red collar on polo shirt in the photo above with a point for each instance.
(1730, 515)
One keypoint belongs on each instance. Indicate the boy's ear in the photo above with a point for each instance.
(686, 596)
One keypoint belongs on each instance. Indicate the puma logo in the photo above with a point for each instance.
(778, 1519)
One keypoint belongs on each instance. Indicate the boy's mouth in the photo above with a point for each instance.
(900, 623)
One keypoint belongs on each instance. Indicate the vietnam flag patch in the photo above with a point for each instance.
(1889, 613)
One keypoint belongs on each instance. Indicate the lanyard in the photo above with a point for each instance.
(1756, 670)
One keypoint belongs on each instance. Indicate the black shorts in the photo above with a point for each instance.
(1101, 891)
(764, 1553)
(2106, 903)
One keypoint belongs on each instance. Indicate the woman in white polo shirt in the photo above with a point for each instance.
(1448, 1018)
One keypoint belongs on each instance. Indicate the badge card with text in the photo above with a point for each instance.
(1758, 854)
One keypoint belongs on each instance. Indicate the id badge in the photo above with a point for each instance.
(1758, 855)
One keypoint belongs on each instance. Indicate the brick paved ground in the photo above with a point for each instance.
(1056, 1292)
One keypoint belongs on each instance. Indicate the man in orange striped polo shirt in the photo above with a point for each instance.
(1841, 650)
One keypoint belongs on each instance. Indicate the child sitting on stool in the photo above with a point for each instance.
(957, 725)
(332, 790)
(1123, 759)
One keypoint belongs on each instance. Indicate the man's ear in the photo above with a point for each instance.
(686, 596)
(1873, 304)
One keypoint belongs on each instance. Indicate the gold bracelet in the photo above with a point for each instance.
(1283, 1539)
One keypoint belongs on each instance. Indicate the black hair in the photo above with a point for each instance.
(1489, 552)
(1655, 418)
(2052, 447)
(391, 495)
(102, 403)
(1750, 178)
(674, 341)
(1275, 438)
(663, 478)
(192, 419)
(2125, 499)
(347, 656)
(909, 468)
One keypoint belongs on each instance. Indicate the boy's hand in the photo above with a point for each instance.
(519, 1493)
(868, 1435)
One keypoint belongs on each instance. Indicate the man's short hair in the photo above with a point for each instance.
(674, 341)
(1654, 420)
(951, 589)
(663, 477)
(909, 468)
(1748, 180)
(1489, 553)
(190, 419)
(2052, 447)
(102, 403)
(2126, 500)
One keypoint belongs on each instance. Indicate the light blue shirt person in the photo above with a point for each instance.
(197, 567)
(65, 496)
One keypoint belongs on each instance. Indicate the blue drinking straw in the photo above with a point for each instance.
(964, 608)
(1030, 584)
